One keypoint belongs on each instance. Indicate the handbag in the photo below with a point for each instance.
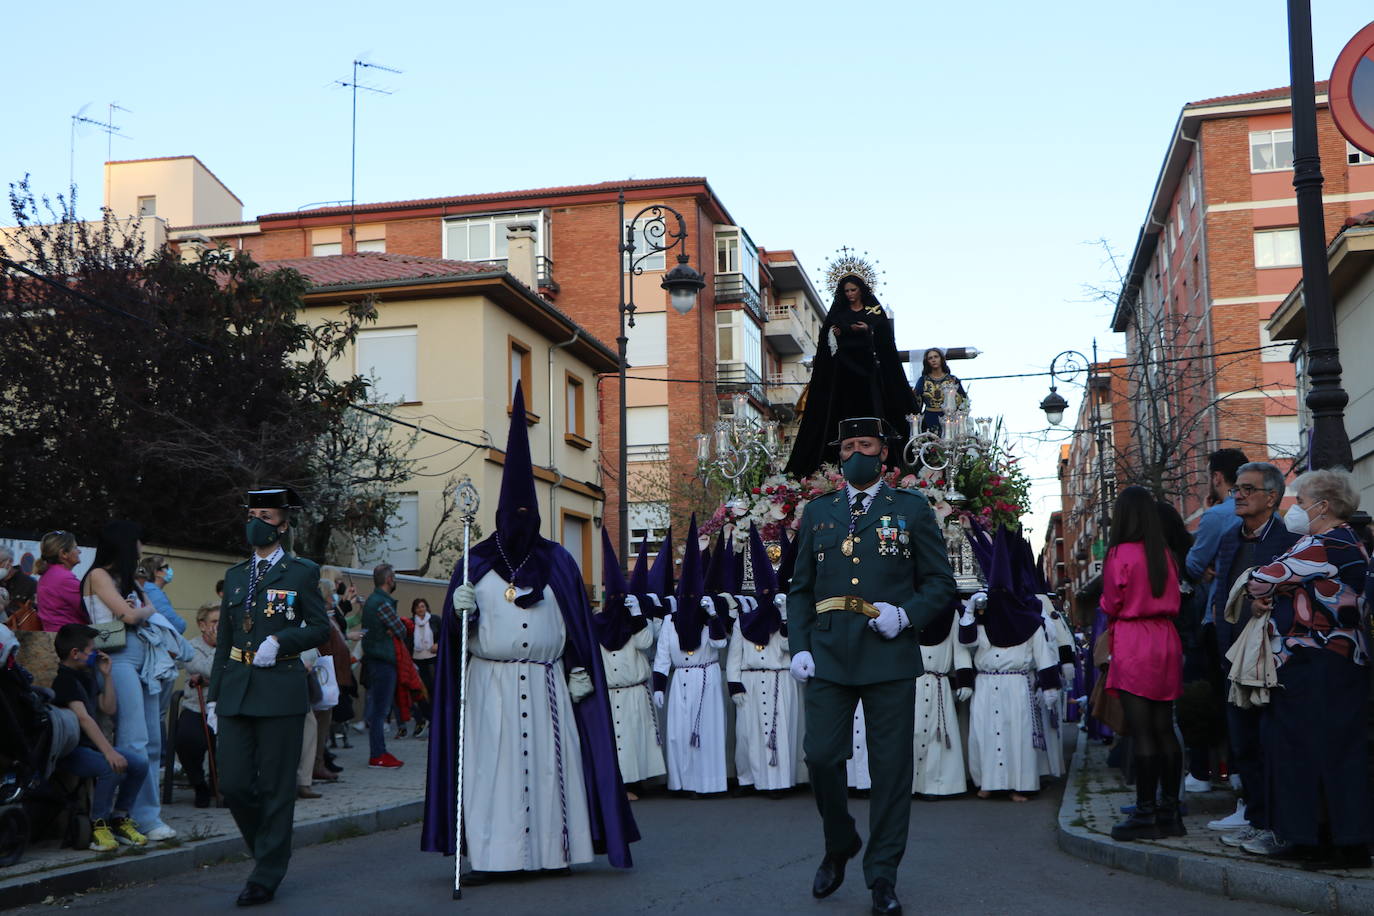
(112, 634)
(324, 692)
(24, 617)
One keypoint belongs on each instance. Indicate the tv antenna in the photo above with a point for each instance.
(353, 86)
(109, 127)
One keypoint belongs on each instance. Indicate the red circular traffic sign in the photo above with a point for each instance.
(1351, 91)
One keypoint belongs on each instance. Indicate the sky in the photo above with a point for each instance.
(982, 154)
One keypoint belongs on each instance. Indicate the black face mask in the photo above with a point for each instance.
(261, 533)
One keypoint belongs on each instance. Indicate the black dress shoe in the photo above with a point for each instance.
(254, 894)
(831, 873)
(885, 902)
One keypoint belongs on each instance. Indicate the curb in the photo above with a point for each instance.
(1310, 892)
(162, 863)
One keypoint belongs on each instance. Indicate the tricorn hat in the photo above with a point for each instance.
(273, 498)
(876, 427)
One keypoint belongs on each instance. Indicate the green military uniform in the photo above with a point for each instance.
(261, 710)
(895, 555)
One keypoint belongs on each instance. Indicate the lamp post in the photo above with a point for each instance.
(683, 284)
(1054, 406)
(1330, 444)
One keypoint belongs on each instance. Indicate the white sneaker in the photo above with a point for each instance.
(1196, 785)
(1242, 836)
(359, 727)
(1265, 843)
(160, 833)
(1232, 821)
(1234, 779)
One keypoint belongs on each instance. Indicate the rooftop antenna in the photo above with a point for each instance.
(80, 118)
(109, 134)
(353, 85)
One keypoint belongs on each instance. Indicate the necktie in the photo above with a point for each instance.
(255, 574)
(857, 509)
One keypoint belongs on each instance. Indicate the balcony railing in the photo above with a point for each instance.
(739, 377)
(737, 288)
(786, 332)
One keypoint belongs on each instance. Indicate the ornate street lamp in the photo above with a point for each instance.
(1054, 406)
(683, 285)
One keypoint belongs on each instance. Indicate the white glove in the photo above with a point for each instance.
(803, 666)
(672, 603)
(658, 698)
(738, 699)
(890, 621)
(1051, 698)
(579, 685)
(465, 598)
(1066, 673)
(266, 656)
(968, 618)
(708, 606)
(212, 716)
(780, 602)
(963, 693)
(632, 603)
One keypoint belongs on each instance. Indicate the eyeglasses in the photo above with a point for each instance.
(1248, 490)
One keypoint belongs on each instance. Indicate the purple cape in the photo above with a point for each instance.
(612, 825)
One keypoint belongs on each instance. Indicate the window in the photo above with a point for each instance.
(1355, 156)
(147, 206)
(387, 357)
(725, 337)
(575, 431)
(483, 238)
(736, 253)
(577, 540)
(1271, 150)
(655, 261)
(401, 545)
(519, 371)
(324, 249)
(646, 435)
(378, 245)
(648, 340)
(739, 340)
(1284, 435)
(1277, 248)
(648, 520)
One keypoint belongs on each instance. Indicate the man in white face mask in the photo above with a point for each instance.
(1260, 538)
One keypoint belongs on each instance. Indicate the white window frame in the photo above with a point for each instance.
(374, 245)
(147, 205)
(409, 376)
(401, 545)
(643, 450)
(1265, 248)
(539, 218)
(325, 249)
(1260, 137)
(1356, 156)
(647, 341)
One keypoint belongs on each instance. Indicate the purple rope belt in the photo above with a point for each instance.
(941, 730)
(1037, 724)
(772, 744)
(695, 740)
(648, 692)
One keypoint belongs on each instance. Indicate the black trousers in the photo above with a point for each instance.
(191, 747)
(423, 707)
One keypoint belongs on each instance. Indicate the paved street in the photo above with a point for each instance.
(747, 855)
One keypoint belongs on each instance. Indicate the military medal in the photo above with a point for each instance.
(847, 546)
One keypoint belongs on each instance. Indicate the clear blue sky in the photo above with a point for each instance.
(976, 150)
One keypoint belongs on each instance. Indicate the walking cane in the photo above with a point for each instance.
(209, 745)
(467, 507)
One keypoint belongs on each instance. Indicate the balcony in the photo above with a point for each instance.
(739, 377)
(737, 288)
(782, 391)
(786, 332)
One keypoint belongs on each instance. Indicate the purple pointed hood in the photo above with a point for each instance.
(762, 622)
(1013, 613)
(661, 575)
(614, 625)
(690, 618)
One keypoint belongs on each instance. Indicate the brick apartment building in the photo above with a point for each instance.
(1217, 254)
(755, 325)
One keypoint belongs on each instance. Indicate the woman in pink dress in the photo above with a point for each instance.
(1140, 595)
(59, 592)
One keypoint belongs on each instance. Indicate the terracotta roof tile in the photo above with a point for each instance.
(502, 196)
(375, 267)
(1262, 95)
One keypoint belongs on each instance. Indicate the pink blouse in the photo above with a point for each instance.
(59, 599)
(1126, 591)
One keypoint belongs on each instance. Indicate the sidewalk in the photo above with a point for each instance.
(361, 802)
(1093, 797)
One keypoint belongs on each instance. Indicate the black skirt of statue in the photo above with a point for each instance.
(862, 378)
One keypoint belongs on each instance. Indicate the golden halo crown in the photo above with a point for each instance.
(847, 262)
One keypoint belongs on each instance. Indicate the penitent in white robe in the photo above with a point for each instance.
(1058, 634)
(1001, 748)
(768, 726)
(638, 745)
(856, 767)
(939, 747)
(696, 707)
(524, 801)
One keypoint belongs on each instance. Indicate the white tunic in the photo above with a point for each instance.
(695, 708)
(1001, 749)
(1057, 633)
(857, 766)
(524, 802)
(768, 726)
(939, 747)
(638, 745)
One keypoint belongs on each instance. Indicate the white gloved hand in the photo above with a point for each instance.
(963, 693)
(658, 698)
(780, 602)
(708, 606)
(579, 685)
(266, 656)
(803, 666)
(969, 617)
(890, 621)
(465, 598)
(212, 716)
(738, 700)
(1066, 673)
(632, 603)
(1051, 698)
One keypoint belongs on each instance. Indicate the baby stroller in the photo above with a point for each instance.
(29, 801)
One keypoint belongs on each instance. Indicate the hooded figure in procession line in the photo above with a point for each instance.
(871, 572)
(856, 373)
(272, 611)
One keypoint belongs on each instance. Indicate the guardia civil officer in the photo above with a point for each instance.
(871, 572)
(270, 613)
